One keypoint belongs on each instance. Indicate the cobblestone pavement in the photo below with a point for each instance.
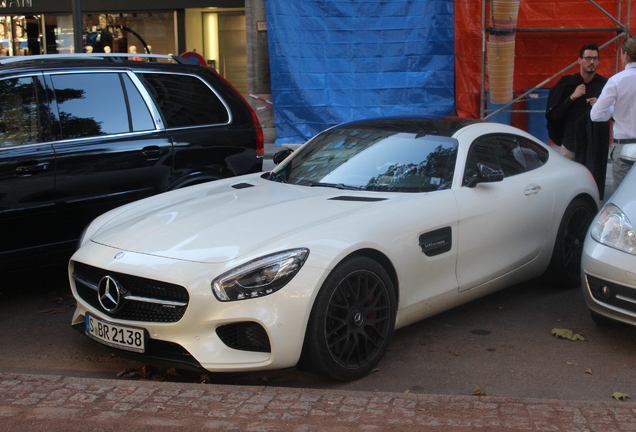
(55, 403)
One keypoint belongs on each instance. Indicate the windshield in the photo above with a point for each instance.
(377, 160)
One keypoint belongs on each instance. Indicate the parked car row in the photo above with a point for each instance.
(386, 221)
(82, 134)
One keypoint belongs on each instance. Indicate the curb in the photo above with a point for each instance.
(29, 402)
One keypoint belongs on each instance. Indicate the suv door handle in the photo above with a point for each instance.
(32, 169)
(151, 152)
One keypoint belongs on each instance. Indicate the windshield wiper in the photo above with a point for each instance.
(336, 185)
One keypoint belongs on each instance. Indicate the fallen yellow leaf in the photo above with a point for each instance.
(620, 396)
(566, 334)
(478, 392)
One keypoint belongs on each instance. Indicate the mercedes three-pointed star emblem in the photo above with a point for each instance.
(110, 294)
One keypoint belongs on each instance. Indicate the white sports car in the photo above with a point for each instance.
(368, 227)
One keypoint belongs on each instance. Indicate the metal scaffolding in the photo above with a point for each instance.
(621, 30)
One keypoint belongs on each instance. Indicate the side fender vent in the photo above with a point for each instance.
(355, 198)
(242, 185)
(437, 242)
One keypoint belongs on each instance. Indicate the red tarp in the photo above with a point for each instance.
(538, 55)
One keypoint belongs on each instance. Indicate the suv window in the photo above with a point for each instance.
(90, 104)
(18, 112)
(141, 117)
(185, 100)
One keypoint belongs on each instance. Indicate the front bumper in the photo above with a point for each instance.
(609, 282)
(217, 336)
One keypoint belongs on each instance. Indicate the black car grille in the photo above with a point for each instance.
(244, 336)
(153, 300)
(619, 296)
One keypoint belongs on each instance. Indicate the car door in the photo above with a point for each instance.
(110, 150)
(210, 142)
(27, 167)
(502, 225)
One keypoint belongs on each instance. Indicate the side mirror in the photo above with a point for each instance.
(490, 173)
(487, 173)
(281, 155)
(628, 153)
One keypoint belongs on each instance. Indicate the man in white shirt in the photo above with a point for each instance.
(618, 101)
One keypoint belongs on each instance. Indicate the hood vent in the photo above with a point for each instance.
(357, 198)
(242, 185)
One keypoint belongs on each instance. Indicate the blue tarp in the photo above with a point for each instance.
(339, 60)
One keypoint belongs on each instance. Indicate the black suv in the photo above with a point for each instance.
(82, 134)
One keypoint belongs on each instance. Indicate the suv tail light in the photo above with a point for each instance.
(260, 138)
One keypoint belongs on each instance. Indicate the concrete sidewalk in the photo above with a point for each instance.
(54, 403)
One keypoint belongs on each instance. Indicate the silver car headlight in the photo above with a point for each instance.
(612, 228)
(260, 277)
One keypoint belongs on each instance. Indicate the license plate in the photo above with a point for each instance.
(115, 335)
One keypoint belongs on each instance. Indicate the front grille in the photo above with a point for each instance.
(620, 296)
(87, 279)
(244, 336)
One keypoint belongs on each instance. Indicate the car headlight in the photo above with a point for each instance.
(260, 277)
(612, 228)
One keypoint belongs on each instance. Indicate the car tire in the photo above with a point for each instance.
(352, 321)
(565, 265)
(603, 321)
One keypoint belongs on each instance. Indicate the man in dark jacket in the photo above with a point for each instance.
(567, 112)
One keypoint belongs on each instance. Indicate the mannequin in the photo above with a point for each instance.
(133, 50)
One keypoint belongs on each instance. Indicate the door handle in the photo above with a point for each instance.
(151, 152)
(532, 190)
(32, 169)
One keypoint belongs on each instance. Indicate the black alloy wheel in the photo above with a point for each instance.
(352, 321)
(568, 248)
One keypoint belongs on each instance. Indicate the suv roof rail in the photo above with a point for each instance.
(111, 57)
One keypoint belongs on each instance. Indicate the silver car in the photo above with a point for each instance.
(608, 267)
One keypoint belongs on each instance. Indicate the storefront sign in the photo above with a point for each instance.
(101, 6)
(16, 3)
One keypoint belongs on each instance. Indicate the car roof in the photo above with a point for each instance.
(429, 125)
(87, 61)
